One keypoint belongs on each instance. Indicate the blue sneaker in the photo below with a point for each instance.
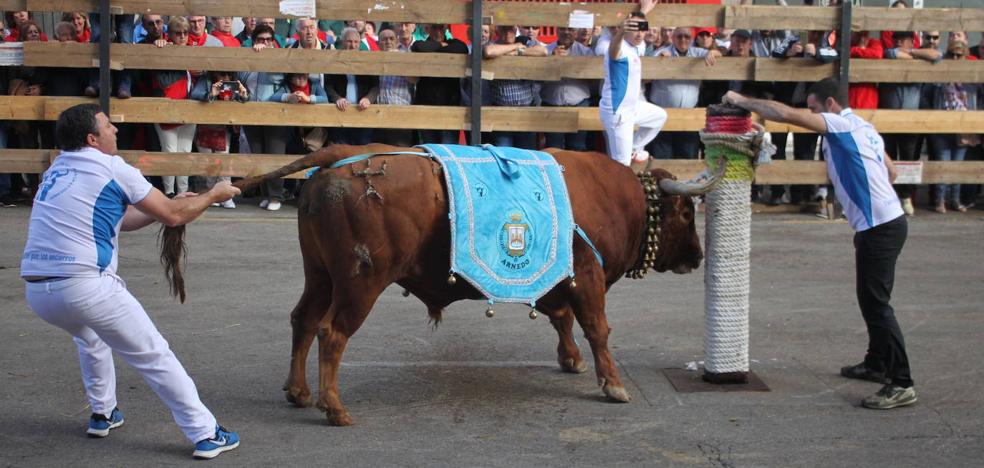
(224, 440)
(99, 425)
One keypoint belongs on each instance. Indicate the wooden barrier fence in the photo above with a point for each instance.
(543, 119)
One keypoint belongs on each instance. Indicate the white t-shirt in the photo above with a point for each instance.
(77, 214)
(855, 154)
(623, 80)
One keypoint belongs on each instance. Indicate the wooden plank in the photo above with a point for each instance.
(925, 19)
(208, 164)
(149, 57)
(161, 110)
(13, 5)
(24, 161)
(552, 14)
(417, 11)
(916, 71)
(923, 121)
(796, 69)
(953, 172)
(141, 56)
(782, 17)
(726, 68)
(244, 165)
(22, 107)
(542, 119)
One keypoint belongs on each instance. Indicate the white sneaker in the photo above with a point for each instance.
(228, 204)
(274, 205)
(640, 156)
(216, 204)
(264, 203)
(907, 207)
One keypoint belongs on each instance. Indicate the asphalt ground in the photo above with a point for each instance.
(487, 392)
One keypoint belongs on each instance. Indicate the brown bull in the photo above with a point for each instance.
(363, 227)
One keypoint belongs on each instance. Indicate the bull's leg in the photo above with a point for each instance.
(588, 302)
(344, 317)
(304, 319)
(568, 355)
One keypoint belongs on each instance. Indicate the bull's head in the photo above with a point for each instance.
(679, 246)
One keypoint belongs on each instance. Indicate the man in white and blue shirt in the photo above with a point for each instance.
(69, 264)
(623, 105)
(862, 175)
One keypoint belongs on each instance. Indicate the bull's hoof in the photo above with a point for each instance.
(298, 396)
(616, 394)
(572, 366)
(342, 419)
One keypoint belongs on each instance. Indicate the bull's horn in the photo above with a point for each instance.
(672, 187)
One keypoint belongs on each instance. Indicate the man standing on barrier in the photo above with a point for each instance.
(862, 174)
(86, 197)
(623, 106)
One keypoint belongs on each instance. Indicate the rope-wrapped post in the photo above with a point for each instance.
(729, 138)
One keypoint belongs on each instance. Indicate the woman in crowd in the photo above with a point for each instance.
(217, 86)
(174, 84)
(299, 88)
(17, 19)
(951, 146)
(80, 20)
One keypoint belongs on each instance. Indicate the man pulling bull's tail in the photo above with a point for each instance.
(89, 196)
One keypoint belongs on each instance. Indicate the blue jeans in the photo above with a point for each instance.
(946, 148)
(124, 25)
(676, 145)
(576, 141)
(525, 140)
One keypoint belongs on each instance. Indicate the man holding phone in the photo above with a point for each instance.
(622, 105)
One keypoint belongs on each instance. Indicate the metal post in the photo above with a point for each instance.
(105, 35)
(476, 74)
(844, 47)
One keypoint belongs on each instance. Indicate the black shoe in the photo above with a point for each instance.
(860, 372)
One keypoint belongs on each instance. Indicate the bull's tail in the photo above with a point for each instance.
(171, 239)
(323, 157)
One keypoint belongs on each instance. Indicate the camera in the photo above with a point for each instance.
(228, 90)
(787, 43)
(643, 25)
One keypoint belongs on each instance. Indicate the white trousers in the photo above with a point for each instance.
(620, 131)
(104, 317)
(176, 140)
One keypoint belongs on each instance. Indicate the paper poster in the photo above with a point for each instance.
(581, 19)
(910, 172)
(301, 8)
(11, 54)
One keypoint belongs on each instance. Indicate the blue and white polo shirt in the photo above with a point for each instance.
(623, 80)
(855, 154)
(77, 214)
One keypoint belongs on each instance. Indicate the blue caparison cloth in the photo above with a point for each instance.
(511, 222)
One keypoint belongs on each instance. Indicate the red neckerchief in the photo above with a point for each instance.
(197, 40)
(85, 37)
(306, 89)
(227, 39)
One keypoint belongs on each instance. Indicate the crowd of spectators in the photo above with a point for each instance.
(355, 93)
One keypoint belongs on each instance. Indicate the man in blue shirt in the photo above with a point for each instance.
(862, 174)
(86, 198)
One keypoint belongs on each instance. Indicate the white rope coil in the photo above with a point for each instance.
(726, 277)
